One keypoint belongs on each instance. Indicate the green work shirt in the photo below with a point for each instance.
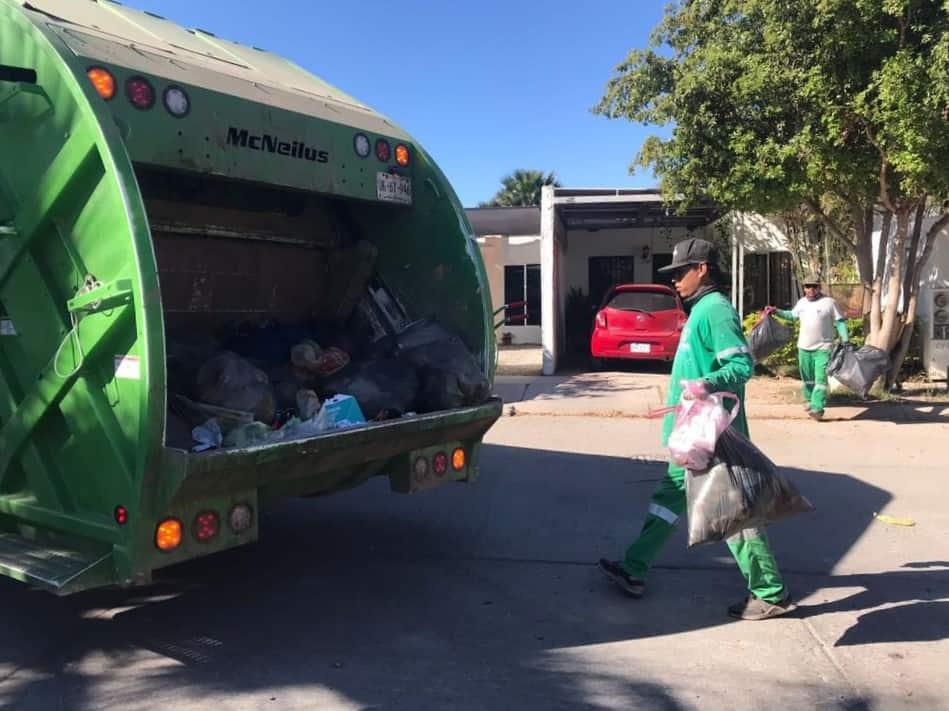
(712, 347)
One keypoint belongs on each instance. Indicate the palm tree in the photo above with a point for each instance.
(521, 188)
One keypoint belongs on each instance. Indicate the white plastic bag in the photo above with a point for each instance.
(699, 423)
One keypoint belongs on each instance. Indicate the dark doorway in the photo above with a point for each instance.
(606, 271)
(663, 259)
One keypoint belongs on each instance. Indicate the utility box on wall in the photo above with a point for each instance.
(936, 342)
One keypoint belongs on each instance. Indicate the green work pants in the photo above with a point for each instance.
(813, 366)
(750, 548)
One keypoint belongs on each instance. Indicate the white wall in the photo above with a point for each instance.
(583, 244)
(510, 251)
(759, 234)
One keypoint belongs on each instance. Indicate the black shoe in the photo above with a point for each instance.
(611, 569)
(754, 608)
(816, 414)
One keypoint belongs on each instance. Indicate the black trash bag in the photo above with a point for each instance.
(741, 489)
(858, 368)
(768, 336)
(227, 380)
(449, 374)
(384, 388)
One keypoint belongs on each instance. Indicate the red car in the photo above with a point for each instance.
(639, 322)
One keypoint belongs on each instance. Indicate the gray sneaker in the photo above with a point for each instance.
(612, 570)
(754, 608)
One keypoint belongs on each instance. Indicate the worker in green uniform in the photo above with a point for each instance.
(712, 356)
(820, 318)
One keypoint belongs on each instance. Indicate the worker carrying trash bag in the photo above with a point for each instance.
(819, 317)
(712, 356)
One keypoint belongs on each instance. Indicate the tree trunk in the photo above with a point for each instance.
(914, 278)
(876, 306)
(889, 330)
(863, 251)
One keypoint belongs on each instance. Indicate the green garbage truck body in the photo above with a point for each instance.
(157, 186)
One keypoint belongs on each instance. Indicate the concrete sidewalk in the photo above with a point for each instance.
(637, 394)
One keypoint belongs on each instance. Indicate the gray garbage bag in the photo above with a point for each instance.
(227, 380)
(767, 336)
(384, 388)
(741, 489)
(858, 368)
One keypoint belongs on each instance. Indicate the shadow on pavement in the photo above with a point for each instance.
(465, 597)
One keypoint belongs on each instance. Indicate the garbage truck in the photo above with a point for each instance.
(223, 282)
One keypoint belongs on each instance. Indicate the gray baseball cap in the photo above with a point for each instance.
(692, 251)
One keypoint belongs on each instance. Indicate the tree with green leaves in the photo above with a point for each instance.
(521, 189)
(836, 107)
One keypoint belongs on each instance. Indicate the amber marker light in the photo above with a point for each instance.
(102, 81)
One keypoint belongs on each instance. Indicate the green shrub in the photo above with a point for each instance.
(784, 360)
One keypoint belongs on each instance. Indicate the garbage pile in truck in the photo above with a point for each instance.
(266, 382)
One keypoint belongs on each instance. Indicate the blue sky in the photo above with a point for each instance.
(485, 87)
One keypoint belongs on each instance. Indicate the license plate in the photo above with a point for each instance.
(639, 347)
(394, 188)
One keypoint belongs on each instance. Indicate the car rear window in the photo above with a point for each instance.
(642, 301)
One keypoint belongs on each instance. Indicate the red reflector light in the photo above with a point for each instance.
(140, 93)
(402, 155)
(383, 150)
(206, 526)
(440, 463)
(121, 515)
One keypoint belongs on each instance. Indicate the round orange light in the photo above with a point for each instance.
(168, 534)
(102, 81)
(401, 155)
(458, 459)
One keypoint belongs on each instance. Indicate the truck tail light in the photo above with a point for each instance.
(241, 518)
(402, 155)
(458, 459)
(440, 464)
(103, 82)
(383, 150)
(206, 526)
(140, 93)
(168, 534)
(121, 515)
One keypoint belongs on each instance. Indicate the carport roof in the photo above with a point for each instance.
(609, 208)
(504, 220)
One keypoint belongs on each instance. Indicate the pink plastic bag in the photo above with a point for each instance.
(699, 423)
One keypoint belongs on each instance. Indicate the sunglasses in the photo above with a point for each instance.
(680, 272)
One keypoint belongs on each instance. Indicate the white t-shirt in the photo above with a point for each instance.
(818, 319)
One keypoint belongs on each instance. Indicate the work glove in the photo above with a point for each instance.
(694, 389)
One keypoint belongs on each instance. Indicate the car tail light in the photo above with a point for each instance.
(103, 82)
(383, 150)
(168, 534)
(140, 93)
(206, 526)
(458, 459)
(402, 155)
(241, 518)
(601, 319)
(680, 324)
